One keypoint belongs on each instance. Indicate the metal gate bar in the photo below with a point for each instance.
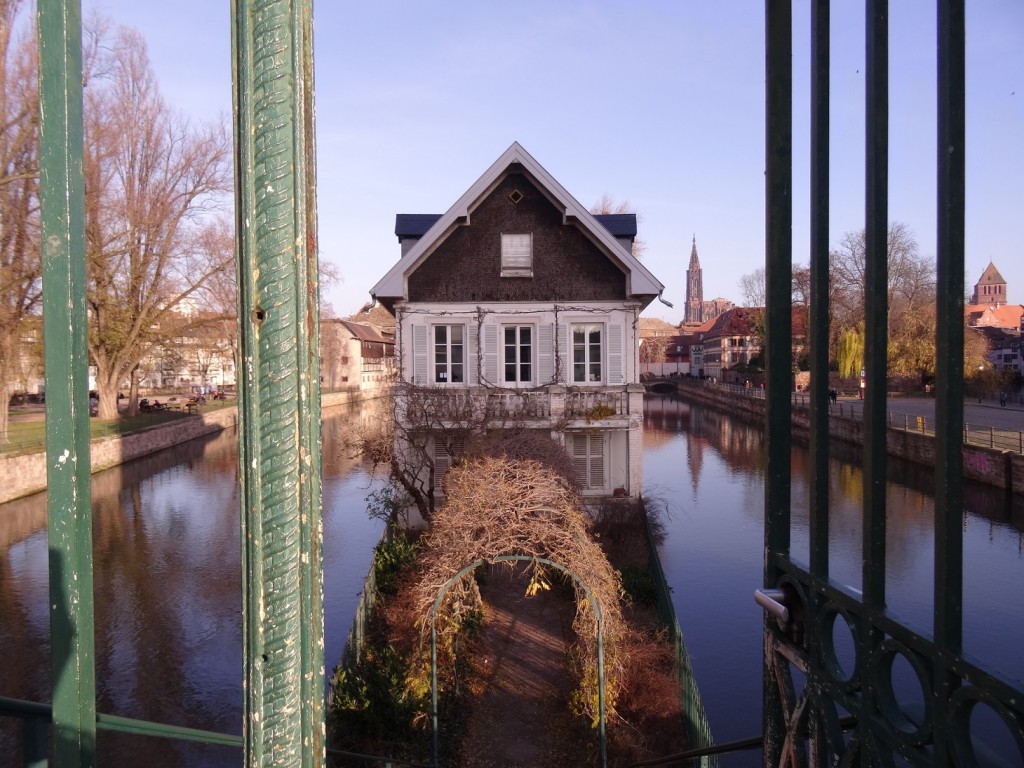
(803, 724)
(69, 496)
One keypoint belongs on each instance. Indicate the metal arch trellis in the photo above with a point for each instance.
(433, 643)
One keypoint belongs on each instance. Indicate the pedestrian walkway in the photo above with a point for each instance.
(522, 718)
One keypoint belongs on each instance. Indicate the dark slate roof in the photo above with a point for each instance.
(414, 224)
(417, 224)
(619, 224)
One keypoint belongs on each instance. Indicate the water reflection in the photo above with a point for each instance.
(168, 591)
(708, 468)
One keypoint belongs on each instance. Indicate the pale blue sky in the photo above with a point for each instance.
(659, 103)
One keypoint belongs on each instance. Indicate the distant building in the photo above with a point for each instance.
(698, 311)
(990, 289)
(1001, 324)
(694, 289)
(355, 356)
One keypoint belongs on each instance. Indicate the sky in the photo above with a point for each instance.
(656, 102)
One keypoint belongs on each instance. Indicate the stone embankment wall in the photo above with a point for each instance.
(21, 475)
(1003, 469)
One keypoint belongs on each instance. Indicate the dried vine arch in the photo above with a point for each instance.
(498, 507)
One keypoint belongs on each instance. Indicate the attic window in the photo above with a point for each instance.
(517, 255)
(515, 196)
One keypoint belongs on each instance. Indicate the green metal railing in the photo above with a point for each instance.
(698, 728)
(805, 610)
(279, 397)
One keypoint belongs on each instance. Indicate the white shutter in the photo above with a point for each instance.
(516, 255)
(615, 355)
(579, 457)
(442, 461)
(420, 354)
(444, 453)
(472, 364)
(587, 450)
(565, 353)
(596, 459)
(490, 354)
(545, 353)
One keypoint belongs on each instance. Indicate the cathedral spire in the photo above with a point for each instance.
(694, 288)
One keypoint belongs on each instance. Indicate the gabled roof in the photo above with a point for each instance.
(394, 285)
(991, 276)
(1003, 316)
(363, 332)
(738, 321)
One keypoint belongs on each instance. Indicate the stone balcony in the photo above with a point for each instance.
(612, 407)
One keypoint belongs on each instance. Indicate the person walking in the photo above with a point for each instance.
(1002, 399)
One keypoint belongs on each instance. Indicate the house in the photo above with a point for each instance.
(729, 340)
(728, 348)
(518, 309)
(354, 356)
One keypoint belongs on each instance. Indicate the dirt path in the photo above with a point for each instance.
(523, 718)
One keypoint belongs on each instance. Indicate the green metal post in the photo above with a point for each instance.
(279, 388)
(949, 344)
(778, 267)
(62, 195)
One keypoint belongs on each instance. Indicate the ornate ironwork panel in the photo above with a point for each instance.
(900, 696)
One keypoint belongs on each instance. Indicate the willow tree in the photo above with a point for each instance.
(155, 186)
(851, 351)
(19, 199)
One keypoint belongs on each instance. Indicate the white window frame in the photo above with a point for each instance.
(588, 349)
(447, 366)
(517, 255)
(517, 361)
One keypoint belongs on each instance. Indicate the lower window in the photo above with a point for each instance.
(449, 354)
(518, 343)
(587, 451)
(586, 354)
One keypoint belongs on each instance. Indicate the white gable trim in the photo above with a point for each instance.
(639, 281)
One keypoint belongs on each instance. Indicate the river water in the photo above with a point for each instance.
(708, 470)
(168, 590)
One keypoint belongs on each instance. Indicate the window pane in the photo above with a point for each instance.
(440, 334)
(510, 334)
(456, 331)
(579, 372)
(456, 373)
(524, 335)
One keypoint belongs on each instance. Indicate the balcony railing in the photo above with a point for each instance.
(521, 405)
(426, 405)
(596, 405)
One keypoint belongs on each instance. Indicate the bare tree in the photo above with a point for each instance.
(752, 288)
(911, 283)
(154, 186)
(20, 265)
(653, 349)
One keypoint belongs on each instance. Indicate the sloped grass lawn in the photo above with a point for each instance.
(28, 435)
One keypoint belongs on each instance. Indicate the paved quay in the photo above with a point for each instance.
(987, 414)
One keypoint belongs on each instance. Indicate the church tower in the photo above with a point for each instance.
(991, 288)
(694, 289)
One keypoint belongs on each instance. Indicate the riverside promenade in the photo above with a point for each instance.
(993, 435)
